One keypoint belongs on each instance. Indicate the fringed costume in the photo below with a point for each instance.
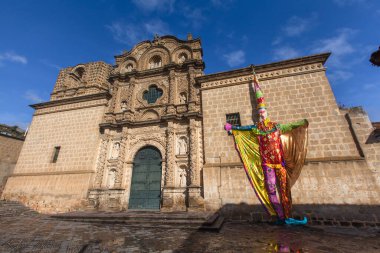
(273, 155)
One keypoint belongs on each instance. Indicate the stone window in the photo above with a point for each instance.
(233, 119)
(155, 62)
(152, 94)
(56, 153)
(79, 72)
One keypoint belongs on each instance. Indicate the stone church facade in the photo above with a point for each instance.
(147, 133)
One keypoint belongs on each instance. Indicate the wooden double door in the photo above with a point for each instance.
(146, 180)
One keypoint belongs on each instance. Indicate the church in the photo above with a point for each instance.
(147, 134)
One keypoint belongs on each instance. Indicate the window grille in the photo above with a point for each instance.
(152, 94)
(233, 119)
(56, 153)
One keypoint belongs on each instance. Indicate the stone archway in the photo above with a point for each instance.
(145, 191)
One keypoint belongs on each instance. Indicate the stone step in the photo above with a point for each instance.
(203, 221)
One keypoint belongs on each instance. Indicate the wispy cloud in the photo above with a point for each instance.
(32, 96)
(131, 33)
(295, 26)
(285, 52)
(12, 57)
(340, 75)
(155, 5)
(235, 58)
(51, 65)
(194, 16)
(349, 2)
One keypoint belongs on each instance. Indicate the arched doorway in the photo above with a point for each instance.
(146, 179)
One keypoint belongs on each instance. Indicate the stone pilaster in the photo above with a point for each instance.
(196, 201)
(101, 161)
(172, 92)
(169, 174)
(120, 160)
(192, 90)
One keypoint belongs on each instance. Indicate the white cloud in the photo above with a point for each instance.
(32, 96)
(235, 58)
(340, 75)
(284, 53)
(131, 33)
(155, 5)
(12, 57)
(340, 45)
(295, 26)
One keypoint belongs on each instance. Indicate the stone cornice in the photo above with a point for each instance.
(266, 71)
(49, 173)
(307, 161)
(72, 100)
(198, 64)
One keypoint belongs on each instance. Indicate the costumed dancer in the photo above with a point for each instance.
(273, 155)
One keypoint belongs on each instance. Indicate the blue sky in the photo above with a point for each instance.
(37, 38)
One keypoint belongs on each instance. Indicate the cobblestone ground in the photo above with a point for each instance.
(23, 230)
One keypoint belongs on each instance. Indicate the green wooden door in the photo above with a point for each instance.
(146, 180)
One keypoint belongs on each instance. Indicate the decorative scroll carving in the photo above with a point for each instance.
(169, 157)
(120, 162)
(101, 161)
(194, 152)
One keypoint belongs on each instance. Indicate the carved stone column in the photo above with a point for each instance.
(169, 174)
(192, 90)
(130, 95)
(172, 92)
(120, 160)
(101, 161)
(167, 197)
(196, 201)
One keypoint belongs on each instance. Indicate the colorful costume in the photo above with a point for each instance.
(273, 155)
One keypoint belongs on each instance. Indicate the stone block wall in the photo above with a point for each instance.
(10, 149)
(75, 129)
(288, 99)
(336, 180)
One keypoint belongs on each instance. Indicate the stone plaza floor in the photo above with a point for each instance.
(23, 230)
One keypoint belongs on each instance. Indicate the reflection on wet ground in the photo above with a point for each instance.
(25, 231)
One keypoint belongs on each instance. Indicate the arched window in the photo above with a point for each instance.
(79, 72)
(129, 67)
(182, 58)
(155, 62)
(152, 94)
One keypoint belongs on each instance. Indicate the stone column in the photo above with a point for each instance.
(120, 160)
(167, 198)
(169, 174)
(128, 113)
(101, 161)
(192, 90)
(172, 92)
(196, 201)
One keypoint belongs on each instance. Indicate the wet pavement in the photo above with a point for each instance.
(23, 230)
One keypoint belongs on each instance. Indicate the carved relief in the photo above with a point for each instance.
(183, 176)
(111, 178)
(114, 154)
(169, 157)
(182, 147)
(183, 98)
(101, 161)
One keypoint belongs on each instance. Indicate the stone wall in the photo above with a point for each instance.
(37, 180)
(9, 151)
(336, 177)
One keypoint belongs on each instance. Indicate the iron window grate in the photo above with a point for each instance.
(233, 119)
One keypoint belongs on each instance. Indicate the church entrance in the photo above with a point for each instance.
(146, 180)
